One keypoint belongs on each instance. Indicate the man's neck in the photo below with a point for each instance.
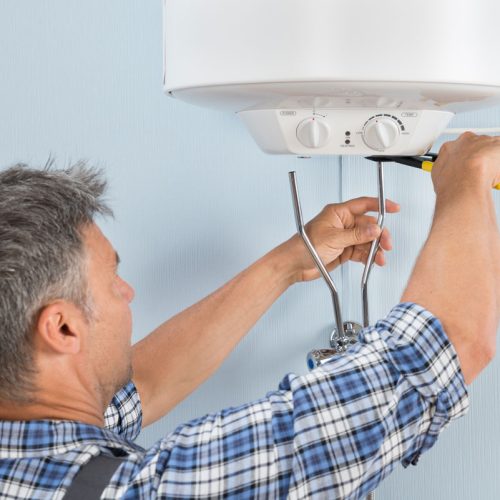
(53, 411)
(51, 407)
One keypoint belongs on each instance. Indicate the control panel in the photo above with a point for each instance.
(308, 132)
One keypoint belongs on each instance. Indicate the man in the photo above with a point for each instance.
(333, 433)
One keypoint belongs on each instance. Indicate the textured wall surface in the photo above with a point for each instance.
(196, 202)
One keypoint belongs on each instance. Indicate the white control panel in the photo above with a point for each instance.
(363, 132)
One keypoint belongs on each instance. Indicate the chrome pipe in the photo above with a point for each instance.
(299, 221)
(375, 244)
(371, 257)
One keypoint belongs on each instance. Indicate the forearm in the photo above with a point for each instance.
(457, 273)
(184, 351)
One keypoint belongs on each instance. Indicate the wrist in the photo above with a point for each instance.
(473, 178)
(283, 261)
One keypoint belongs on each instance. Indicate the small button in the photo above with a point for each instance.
(347, 141)
(348, 133)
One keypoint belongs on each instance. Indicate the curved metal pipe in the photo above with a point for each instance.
(375, 244)
(371, 257)
(317, 260)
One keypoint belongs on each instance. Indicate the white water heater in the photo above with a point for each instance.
(335, 77)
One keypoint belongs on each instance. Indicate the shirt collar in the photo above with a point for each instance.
(39, 438)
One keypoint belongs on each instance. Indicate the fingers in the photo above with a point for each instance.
(357, 235)
(365, 220)
(358, 252)
(386, 240)
(359, 206)
(369, 227)
(380, 258)
(361, 255)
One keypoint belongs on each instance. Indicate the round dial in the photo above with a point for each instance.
(381, 132)
(313, 132)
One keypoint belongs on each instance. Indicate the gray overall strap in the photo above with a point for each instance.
(92, 478)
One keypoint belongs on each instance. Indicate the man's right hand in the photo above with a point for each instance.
(471, 161)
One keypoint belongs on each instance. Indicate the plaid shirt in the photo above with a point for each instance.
(333, 433)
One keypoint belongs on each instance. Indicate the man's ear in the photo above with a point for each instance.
(60, 327)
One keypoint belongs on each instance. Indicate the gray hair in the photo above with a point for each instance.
(42, 258)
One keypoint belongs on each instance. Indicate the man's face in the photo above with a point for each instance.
(111, 323)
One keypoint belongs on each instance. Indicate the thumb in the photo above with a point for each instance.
(359, 234)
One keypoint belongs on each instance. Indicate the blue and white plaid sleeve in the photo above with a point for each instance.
(333, 433)
(124, 414)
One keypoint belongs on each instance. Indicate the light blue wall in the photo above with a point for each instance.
(196, 201)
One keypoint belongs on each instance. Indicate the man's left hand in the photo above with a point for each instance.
(341, 232)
